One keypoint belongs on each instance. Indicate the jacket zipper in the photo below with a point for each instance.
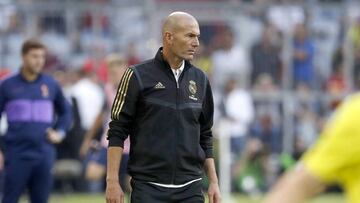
(177, 131)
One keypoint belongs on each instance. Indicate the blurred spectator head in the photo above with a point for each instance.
(265, 83)
(338, 59)
(273, 35)
(230, 85)
(269, 36)
(228, 38)
(61, 77)
(14, 23)
(53, 63)
(253, 147)
(303, 89)
(266, 37)
(266, 122)
(336, 85)
(300, 33)
(95, 66)
(116, 65)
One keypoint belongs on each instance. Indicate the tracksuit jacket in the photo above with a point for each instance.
(32, 108)
(169, 122)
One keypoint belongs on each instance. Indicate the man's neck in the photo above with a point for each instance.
(29, 76)
(173, 61)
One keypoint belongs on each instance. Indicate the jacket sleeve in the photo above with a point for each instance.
(123, 109)
(63, 111)
(206, 122)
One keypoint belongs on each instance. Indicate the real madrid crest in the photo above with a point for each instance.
(193, 90)
(192, 87)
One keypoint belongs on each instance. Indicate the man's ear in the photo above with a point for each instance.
(168, 37)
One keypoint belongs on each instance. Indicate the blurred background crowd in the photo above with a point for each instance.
(278, 69)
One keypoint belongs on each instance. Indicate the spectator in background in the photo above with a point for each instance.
(285, 16)
(69, 147)
(203, 59)
(303, 68)
(132, 55)
(268, 131)
(95, 64)
(267, 98)
(31, 100)
(89, 20)
(265, 57)
(267, 125)
(53, 22)
(239, 110)
(95, 31)
(249, 169)
(52, 30)
(53, 63)
(306, 129)
(230, 60)
(257, 167)
(89, 102)
(96, 168)
(14, 36)
(356, 70)
(354, 33)
(336, 84)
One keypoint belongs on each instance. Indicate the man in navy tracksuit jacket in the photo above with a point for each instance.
(38, 116)
(165, 105)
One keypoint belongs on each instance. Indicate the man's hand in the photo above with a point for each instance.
(114, 193)
(214, 193)
(84, 149)
(54, 136)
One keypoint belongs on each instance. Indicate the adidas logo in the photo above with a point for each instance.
(159, 85)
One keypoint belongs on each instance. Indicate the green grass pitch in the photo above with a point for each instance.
(86, 198)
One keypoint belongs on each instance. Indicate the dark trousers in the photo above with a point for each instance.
(146, 192)
(33, 174)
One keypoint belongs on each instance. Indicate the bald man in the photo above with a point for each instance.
(165, 105)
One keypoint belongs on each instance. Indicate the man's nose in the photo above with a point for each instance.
(196, 42)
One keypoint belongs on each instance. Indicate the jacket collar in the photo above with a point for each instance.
(164, 64)
(21, 76)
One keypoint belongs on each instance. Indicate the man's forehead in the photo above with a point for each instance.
(192, 26)
(37, 51)
(194, 31)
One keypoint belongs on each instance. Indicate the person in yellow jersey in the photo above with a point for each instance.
(335, 158)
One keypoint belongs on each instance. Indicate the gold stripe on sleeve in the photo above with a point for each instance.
(120, 93)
